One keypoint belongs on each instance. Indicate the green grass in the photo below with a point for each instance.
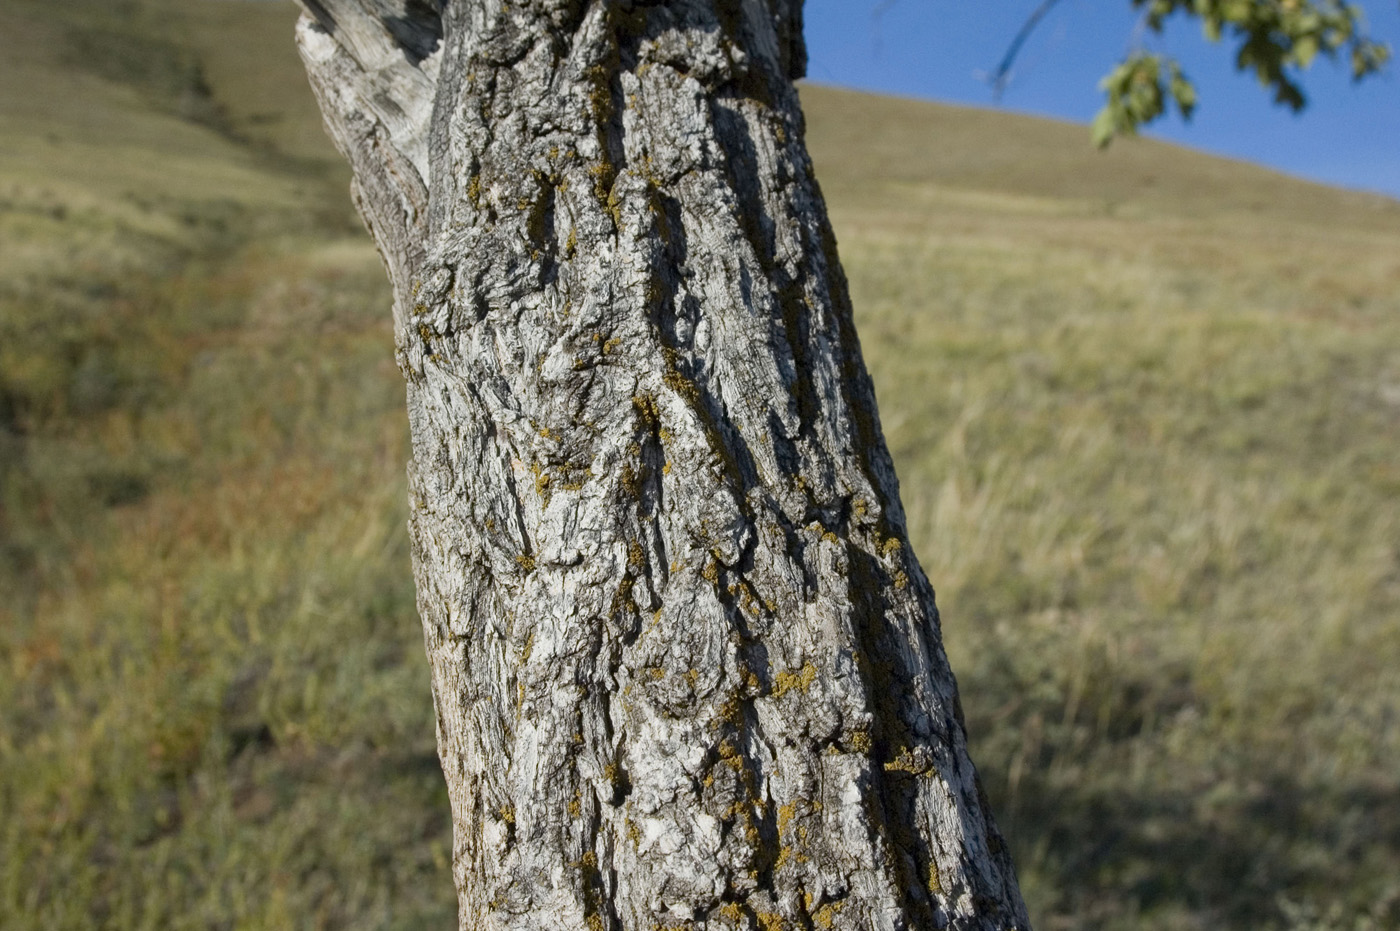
(1144, 407)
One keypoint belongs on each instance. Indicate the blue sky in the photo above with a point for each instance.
(941, 50)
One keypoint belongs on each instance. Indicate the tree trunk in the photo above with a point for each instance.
(688, 673)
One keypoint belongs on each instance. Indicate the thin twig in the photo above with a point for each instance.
(1002, 75)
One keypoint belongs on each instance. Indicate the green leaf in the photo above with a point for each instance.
(1305, 50)
(1183, 92)
(1104, 127)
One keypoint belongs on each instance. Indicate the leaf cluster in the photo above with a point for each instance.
(1276, 39)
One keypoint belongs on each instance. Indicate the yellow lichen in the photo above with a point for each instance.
(785, 682)
(630, 481)
(682, 386)
(645, 406)
(542, 480)
(731, 756)
(935, 881)
(906, 762)
(614, 206)
(825, 916)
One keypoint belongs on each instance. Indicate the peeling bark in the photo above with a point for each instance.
(688, 673)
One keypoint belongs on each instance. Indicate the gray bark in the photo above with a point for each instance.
(688, 673)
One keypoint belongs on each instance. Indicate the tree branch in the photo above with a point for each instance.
(1002, 75)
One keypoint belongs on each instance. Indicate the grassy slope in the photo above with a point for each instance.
(212, 706)
(1144, 408)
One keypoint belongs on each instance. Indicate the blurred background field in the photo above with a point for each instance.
(1145, 407)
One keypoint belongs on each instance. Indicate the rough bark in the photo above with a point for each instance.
(688, 673)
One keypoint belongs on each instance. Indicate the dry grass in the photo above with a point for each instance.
(1148, 456)
(1144, 409)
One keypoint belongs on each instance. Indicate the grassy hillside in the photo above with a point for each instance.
(1144, 407)
(1146, 435)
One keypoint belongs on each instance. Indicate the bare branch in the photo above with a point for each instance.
(1001, 77)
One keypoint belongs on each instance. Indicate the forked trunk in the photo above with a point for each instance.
(688, 673)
